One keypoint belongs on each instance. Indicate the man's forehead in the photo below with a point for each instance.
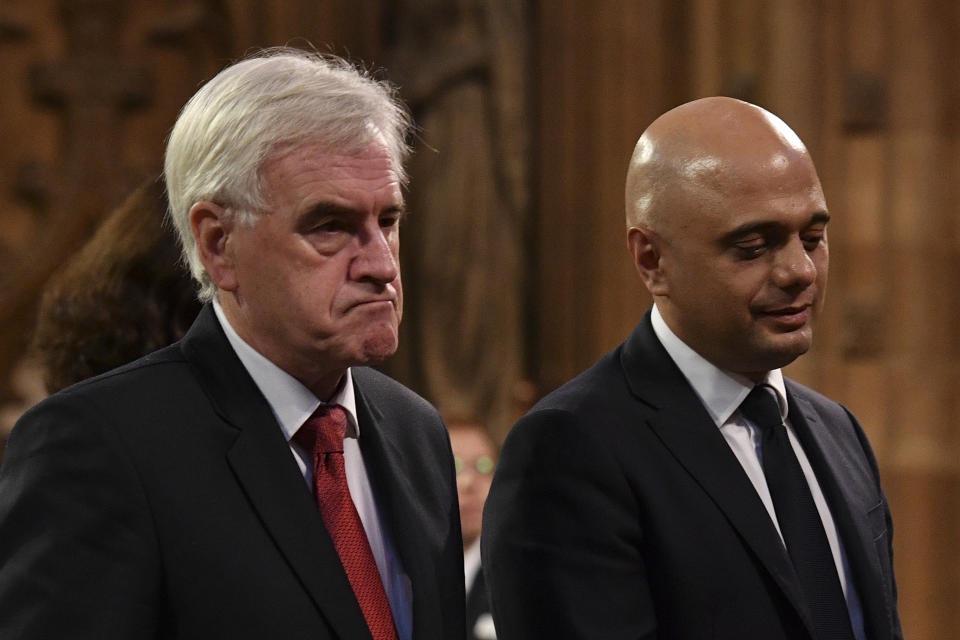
(314, 181)
(769, 171)
(311, 166)
(725, 200)
(321, 153)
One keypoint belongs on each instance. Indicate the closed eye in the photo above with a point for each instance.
(813, 239)
(391, 220)
(330, 226)
(751, 248)
(752, 240)
(392, 217)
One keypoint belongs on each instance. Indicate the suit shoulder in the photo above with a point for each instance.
(603, 384)
(819, 401)
(131, 373)
(590, 407)
(381, 388)
(146, 384)
(838, 419)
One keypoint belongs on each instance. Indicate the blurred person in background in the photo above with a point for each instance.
(475, 457)
(124, 294)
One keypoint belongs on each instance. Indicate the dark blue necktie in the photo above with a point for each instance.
(799, 519)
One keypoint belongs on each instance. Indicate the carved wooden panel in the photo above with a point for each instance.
(462, 68)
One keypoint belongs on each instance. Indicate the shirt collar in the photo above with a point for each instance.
(720, 391)
(291, 402)
(471, 563)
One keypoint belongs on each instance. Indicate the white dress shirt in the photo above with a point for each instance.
(471, 564)
(292, 403)
(721, 393)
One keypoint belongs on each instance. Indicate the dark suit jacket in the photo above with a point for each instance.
(619, 511)
(161, 500)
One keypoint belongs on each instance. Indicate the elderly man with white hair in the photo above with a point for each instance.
(255, 479)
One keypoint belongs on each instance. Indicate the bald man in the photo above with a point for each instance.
(682, 488)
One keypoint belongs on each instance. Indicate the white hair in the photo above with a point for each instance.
(277, 101)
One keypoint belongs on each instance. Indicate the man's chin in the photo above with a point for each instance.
(377, 348)
(768, 352)
(785, 348)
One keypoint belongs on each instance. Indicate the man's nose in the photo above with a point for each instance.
(375, 259)
(794, 266)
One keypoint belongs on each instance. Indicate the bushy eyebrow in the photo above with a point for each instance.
(766, 226)
(323, 210)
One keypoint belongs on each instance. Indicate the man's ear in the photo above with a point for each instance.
(645, 248)
(211, 225)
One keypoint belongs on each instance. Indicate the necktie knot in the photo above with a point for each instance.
(324, 430)
(761, 408)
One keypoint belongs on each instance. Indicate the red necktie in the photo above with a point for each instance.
(323, 433)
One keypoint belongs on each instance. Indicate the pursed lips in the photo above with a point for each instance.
(373, 301)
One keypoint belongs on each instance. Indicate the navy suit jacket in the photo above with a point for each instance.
(161, 500)
(619, 511)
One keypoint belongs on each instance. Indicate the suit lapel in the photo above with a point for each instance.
(261, 460)
(841, 479)
(683, 425)
(398, 505)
